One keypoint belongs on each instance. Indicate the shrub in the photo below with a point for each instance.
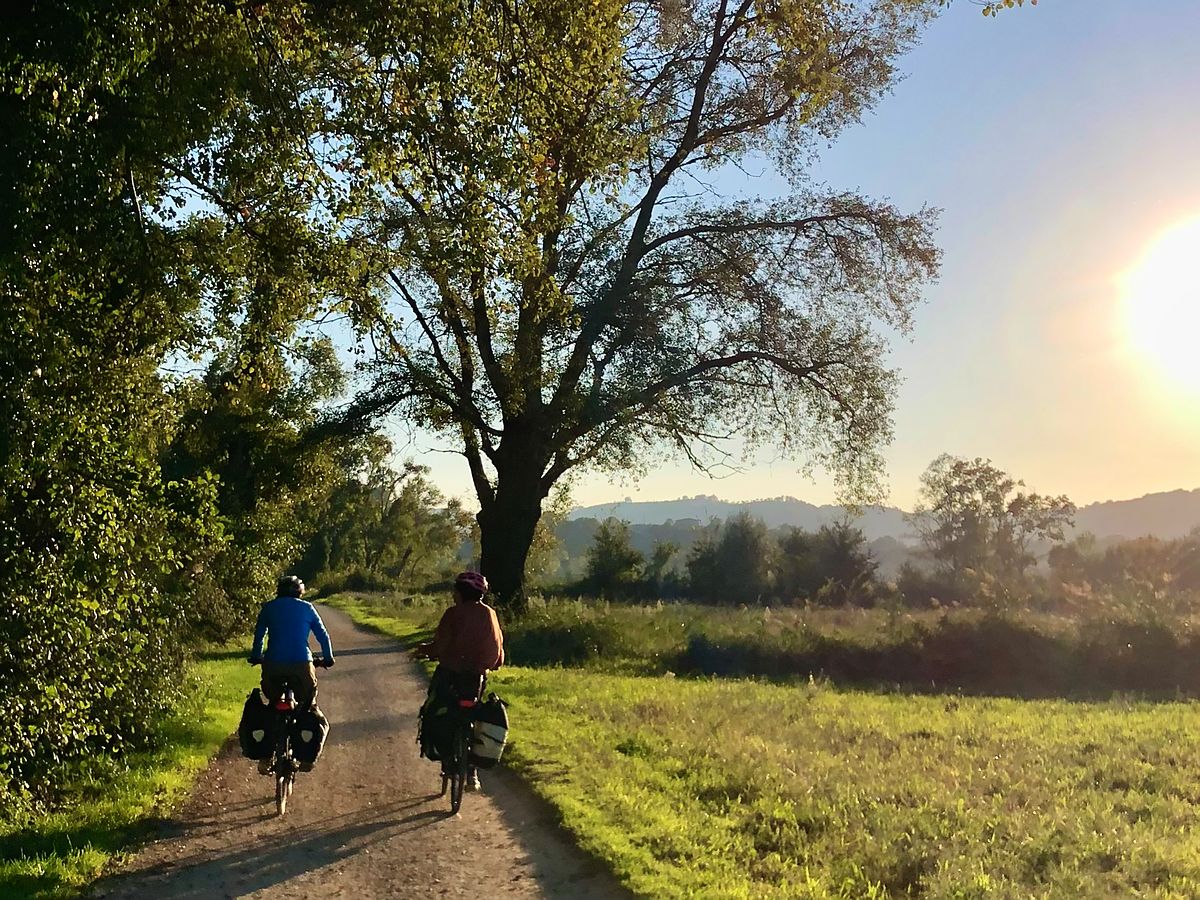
(355, 580)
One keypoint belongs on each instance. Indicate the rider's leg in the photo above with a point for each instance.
(301, 677)
(272, 681)
(305, 685)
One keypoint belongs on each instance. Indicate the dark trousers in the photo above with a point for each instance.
(301, 677)
(457, 685)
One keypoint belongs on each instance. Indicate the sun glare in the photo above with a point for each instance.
(1161, 300)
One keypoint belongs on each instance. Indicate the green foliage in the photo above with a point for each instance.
(88, 526)
(243, 427)
(613, 566)
(107, 802)
(991, 7)
(739, 561)
(384, 527)
(1145, 578)
(557, 295)
(973, 519)
(832, 566)
(117, 115)
(734, 565)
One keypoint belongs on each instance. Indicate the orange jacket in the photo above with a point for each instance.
(468, 639)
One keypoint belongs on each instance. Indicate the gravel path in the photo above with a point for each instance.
(367, 822)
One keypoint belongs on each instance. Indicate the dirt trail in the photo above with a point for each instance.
(366, 822)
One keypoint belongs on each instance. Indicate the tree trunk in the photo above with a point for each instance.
(506, 526)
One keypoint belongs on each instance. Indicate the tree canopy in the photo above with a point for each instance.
(117, 116)
(558, 282)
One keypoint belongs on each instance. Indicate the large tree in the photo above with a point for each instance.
(563, 285)
(971, 515)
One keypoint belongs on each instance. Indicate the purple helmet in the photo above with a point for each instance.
(473, 581)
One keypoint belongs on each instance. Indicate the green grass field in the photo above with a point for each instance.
(733, 788)
(112, 805)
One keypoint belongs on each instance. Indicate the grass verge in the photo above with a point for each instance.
(114, 803)
(739, 789)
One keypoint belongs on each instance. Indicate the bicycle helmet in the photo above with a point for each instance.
(290, 586)
(473, 583)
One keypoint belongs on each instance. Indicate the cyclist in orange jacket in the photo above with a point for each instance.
(467, 644)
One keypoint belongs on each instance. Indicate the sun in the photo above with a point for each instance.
(1161, 304)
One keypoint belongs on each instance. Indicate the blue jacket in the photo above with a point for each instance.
(289, 622)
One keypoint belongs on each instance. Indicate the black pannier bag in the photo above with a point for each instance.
(489, 732)
(436, 726)
(254, 731)
(310, 728)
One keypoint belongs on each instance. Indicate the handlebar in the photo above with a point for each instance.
(319, 661)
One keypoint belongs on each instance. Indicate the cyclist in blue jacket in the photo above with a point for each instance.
(286, 623)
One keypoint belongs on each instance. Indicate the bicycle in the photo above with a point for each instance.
(283, 763)
(457, 765)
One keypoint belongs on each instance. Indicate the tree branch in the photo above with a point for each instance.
(751, 227)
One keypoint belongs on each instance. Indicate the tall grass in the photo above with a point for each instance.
(1024, 653)
(735, 789)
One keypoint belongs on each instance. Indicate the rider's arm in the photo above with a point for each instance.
(441, 637)
(260, 633)
(318, 628)
(499, 642)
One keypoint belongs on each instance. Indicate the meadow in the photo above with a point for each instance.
(1020, 653)
(735, 787)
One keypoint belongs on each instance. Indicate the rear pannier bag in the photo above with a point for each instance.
(436, 727)
(489, 733)
(254, 731)
(309, 730)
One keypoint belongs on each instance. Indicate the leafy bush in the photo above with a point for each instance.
(922, 588)
(353, 581)
(973, 653)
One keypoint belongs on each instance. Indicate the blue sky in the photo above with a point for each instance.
(1059, 141)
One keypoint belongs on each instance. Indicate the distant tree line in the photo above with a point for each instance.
(736, 561)
(985, 541)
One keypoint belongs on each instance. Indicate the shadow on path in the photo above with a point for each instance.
(522, 810)
(270, 860)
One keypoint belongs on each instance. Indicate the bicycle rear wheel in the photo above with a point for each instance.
(457, 781)
(458, 774)
(283, 789)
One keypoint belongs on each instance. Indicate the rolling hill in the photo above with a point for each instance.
(1169, 514)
